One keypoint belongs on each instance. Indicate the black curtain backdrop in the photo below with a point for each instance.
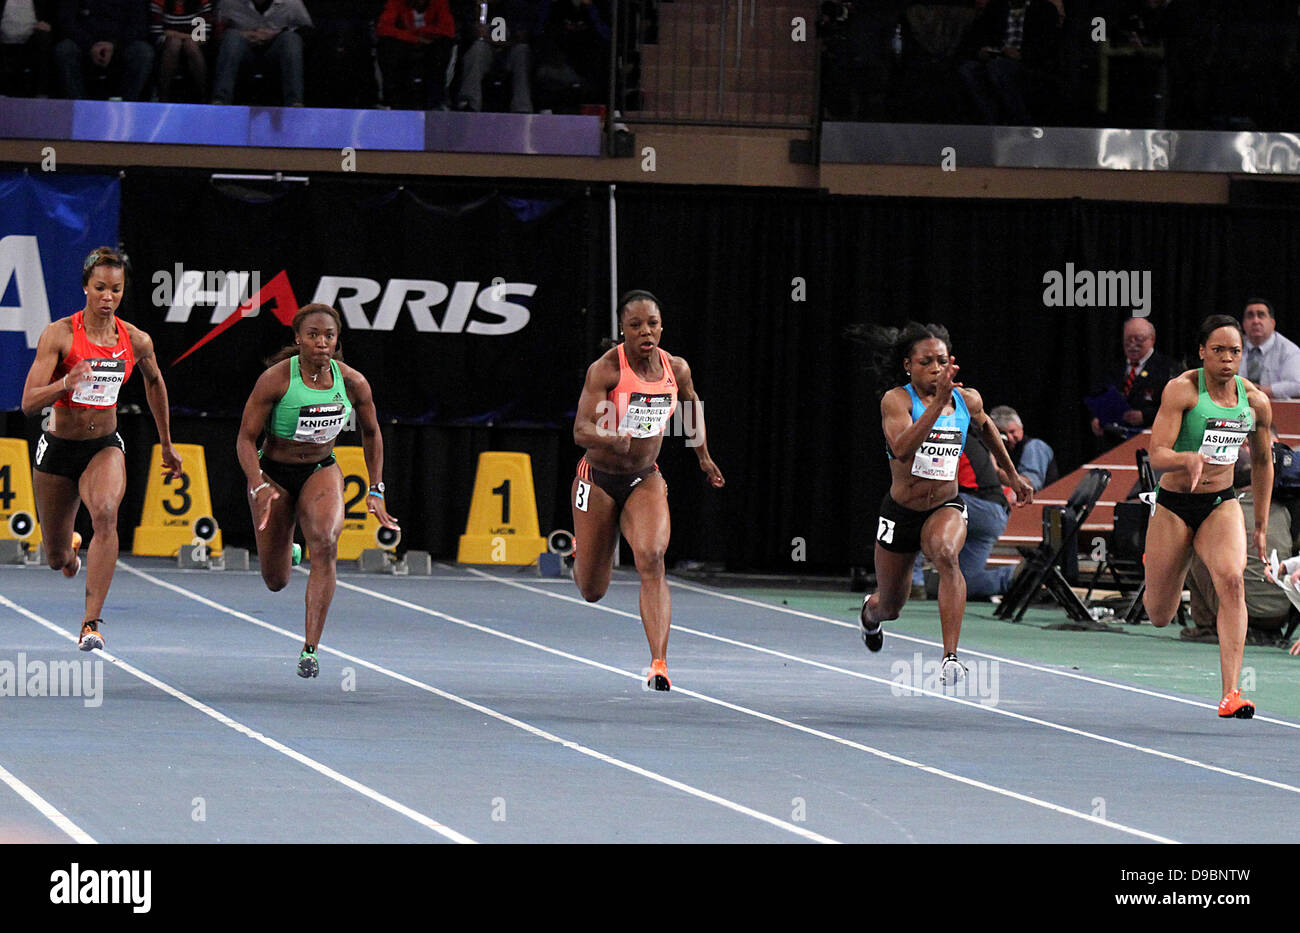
(399, 238)
(793, 422)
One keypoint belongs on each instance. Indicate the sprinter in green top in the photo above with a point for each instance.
(1205, 416)
(301, 403)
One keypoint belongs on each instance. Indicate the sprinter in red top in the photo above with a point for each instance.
(627, 401)
(81, 364)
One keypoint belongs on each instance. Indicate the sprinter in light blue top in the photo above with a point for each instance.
(925, 422)
(938, 454)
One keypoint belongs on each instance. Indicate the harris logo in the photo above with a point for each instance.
(470, 307)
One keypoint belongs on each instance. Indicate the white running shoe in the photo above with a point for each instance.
(952, 670)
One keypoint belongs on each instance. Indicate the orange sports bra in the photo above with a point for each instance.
(643, 408)
(110, 367)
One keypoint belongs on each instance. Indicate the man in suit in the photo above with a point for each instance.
(1268, 359)
(1140, 380)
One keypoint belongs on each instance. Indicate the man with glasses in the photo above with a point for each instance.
(1139, 382)
(1271, 361)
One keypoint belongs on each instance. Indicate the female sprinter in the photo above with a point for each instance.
(925, 423)
(81, 364)
(302, 402)
(629, 395)
(1205, 415)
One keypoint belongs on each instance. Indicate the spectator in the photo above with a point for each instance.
(573, 52)
(1269, 360)
(340, 58)
(498, 33)
(858, 56)
(1034, 459)
(111, 38)
(265, 33)
(1139, 382)
(180, 31)
(25, 47)
(1158, 70)
(415, 42)
(1013, 59)
(979, 484)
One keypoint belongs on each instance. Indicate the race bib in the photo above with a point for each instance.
(105, 382)
(646, 414)
(938, 454)
(320, 424)
(1223, 437)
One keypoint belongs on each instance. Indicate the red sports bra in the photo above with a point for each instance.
(110, 367)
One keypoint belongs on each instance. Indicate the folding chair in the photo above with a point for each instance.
(1043, 563)
(1123, 560)
(1123, 563)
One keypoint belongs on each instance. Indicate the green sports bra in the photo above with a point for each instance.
(307, 415)
(1215, 431)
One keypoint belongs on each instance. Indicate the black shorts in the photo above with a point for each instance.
(63, 457)
(618, 486)
(899, 529)
(1193, 507)
(293, 476)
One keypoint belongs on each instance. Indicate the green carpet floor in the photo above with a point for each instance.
(1140, 655)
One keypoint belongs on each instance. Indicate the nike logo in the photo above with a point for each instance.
(117, 355)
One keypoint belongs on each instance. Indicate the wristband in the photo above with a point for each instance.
(377, 495)
(253, 492)
(65, 382)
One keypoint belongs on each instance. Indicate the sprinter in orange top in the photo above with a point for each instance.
(627, 401)
(82, 362)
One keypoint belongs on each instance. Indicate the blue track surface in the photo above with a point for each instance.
(499, 707)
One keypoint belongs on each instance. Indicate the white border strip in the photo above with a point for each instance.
(376, 796)
(47, 809)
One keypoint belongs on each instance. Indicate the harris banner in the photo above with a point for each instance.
(460, 304)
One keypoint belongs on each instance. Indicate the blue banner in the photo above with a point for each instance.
(48, 225)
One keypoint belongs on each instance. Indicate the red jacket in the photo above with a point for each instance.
(398, 21)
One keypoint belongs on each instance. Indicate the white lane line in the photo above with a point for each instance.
(1061, 727)
(487, 711)
(879, 753)
(978, 654)
(48, 810)
(376, 796)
